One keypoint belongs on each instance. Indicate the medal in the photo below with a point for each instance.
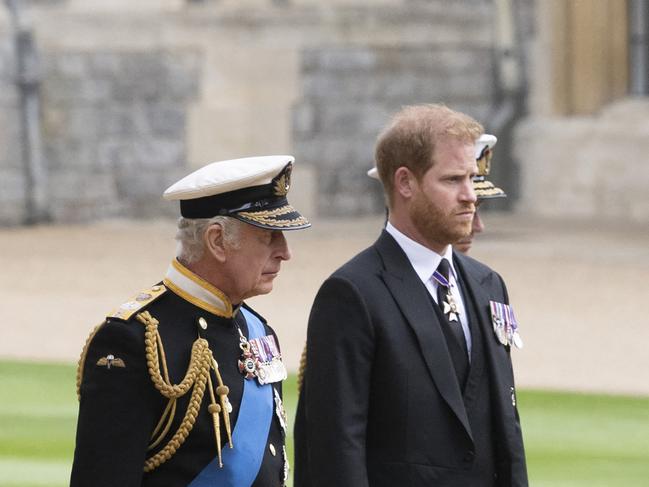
(279, 411)
(450, 307)
(247, 362)
(270, 368)
(287, 468)
(518, 341)
(502, 335)
(505, 324)
(260, 358)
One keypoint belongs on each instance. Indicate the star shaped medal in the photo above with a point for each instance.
(450, 307)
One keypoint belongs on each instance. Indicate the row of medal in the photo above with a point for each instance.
(505, 324)
(260, 359)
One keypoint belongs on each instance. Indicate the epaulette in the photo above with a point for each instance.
(137, 302)
(124, 312)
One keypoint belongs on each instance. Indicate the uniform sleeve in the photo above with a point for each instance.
(115, 411)
(339, 360)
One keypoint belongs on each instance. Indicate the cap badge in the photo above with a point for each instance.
(484, 162)
(282, 182)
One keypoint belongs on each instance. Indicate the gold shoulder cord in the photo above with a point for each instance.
(302, 370)
(197, 376)
(82, 359)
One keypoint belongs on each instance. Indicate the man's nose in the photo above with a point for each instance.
(283, 251)
(468, 192)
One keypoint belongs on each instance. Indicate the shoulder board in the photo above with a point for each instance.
(137, 302)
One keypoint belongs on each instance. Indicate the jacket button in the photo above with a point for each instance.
(202, 322)
(470, 455)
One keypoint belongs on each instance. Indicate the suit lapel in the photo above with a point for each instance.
(497, 355)
(414, 302)
(473, 282)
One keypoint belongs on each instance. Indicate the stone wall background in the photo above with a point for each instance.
(115, 128)
(349, 93)
(12, 182)
(135, 94)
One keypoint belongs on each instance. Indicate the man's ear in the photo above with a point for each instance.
(404, 181)
(214, 242)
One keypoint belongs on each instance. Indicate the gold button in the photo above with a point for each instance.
(271, 447)
(155, 289)
(202, 323)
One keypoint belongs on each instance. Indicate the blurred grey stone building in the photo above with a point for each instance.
(134, 94)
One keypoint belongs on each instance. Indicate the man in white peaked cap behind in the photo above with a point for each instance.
(484, 189)
(181, 385)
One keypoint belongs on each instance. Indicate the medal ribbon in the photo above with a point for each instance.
(241, 463)
(441, 279)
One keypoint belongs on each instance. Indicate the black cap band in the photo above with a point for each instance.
(248, 199)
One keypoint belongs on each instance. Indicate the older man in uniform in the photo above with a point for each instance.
(409, 378)
(181, 385)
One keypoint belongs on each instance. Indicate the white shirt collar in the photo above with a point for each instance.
(196, 290)
(423, 260)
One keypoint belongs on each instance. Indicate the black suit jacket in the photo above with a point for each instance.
(381, 405)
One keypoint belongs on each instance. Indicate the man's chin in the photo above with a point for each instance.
(463, 245)
(260, 289)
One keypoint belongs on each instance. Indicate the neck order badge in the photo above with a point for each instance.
(444, 297)
(241, 463)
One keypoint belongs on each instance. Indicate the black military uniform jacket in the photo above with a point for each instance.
(120, 406)
(381, 403)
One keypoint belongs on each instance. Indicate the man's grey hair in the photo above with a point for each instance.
(190, 234)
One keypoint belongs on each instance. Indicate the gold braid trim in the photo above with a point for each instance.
(268, 217)
(185, 426)
(196, 378)
(82, 358)
(302, 370)
(169, 414)
(151, 337)
(282, 210)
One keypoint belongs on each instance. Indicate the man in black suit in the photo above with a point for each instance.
(409, 379)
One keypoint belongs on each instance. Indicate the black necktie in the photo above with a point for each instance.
(447, 304)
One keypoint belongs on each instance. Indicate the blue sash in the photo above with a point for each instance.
(241, 463)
